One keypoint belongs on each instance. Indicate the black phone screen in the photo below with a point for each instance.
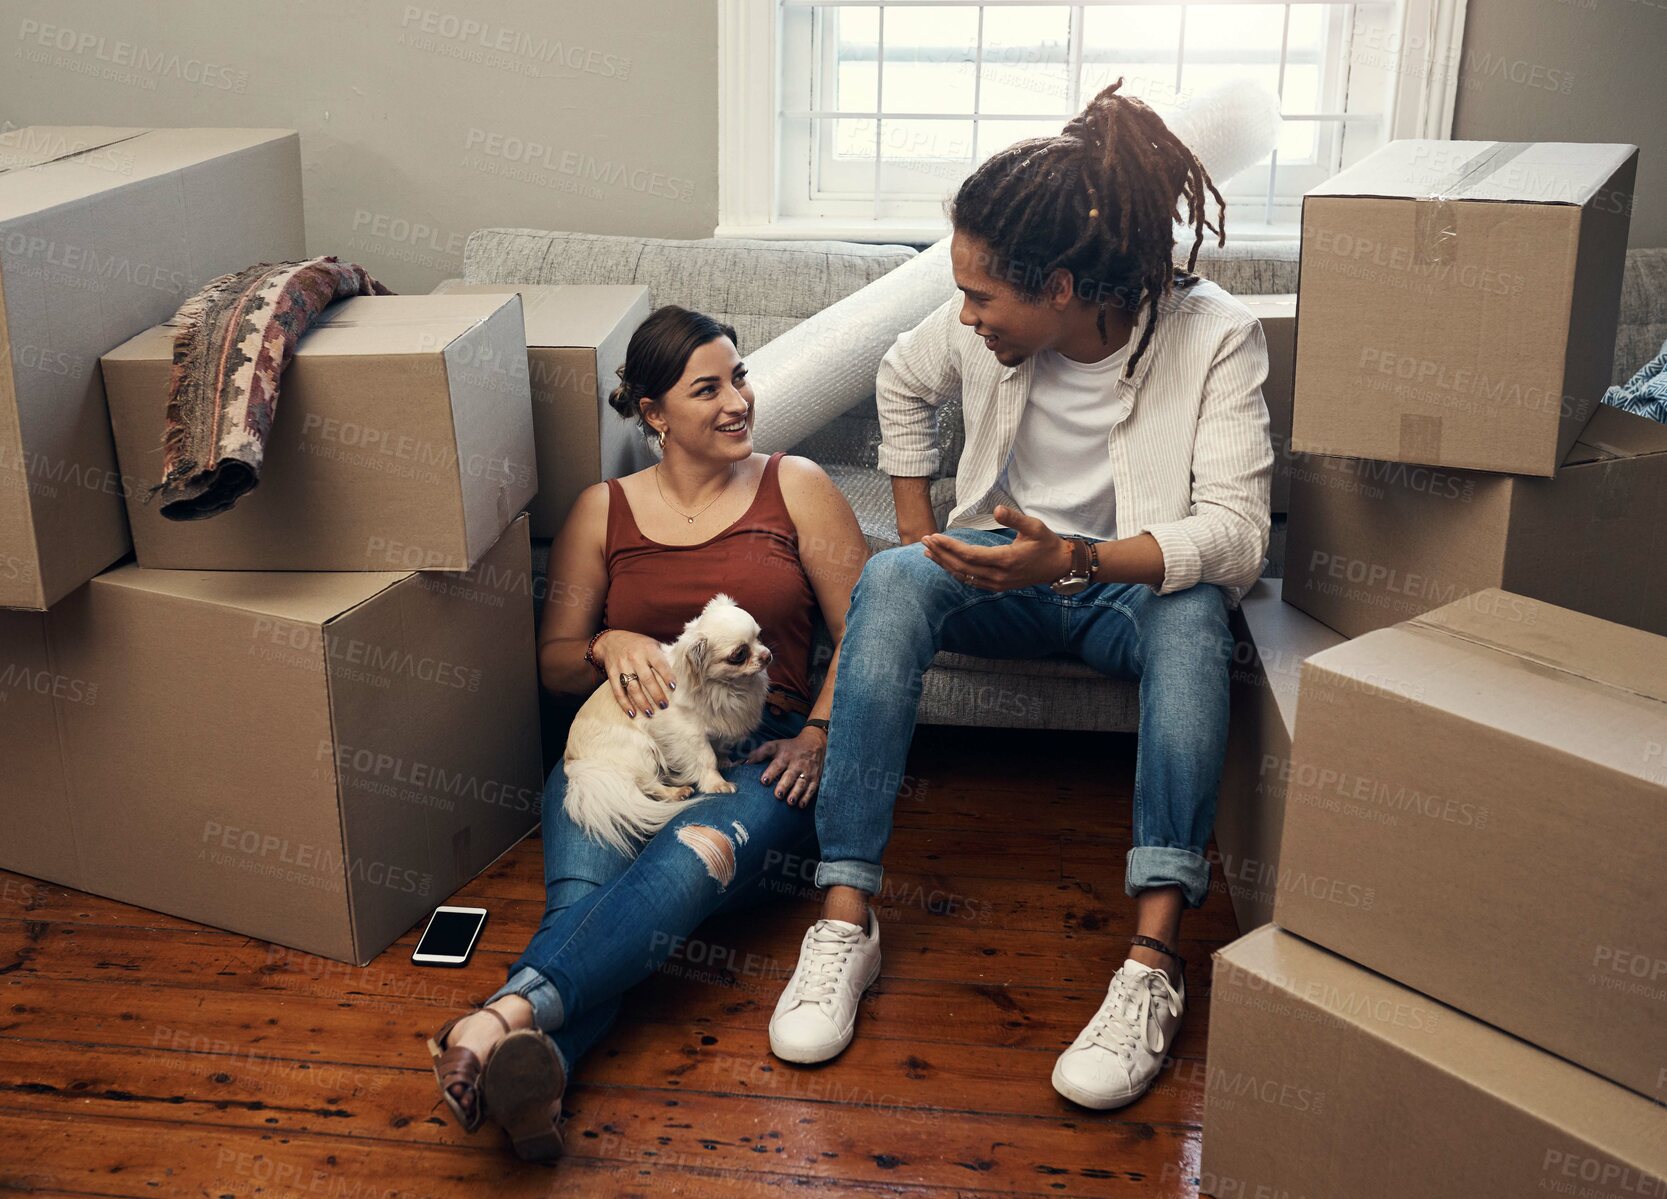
(450, 934)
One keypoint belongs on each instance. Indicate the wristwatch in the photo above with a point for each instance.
(1084, 561)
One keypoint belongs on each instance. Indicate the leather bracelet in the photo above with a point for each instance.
(1153, 943)
(590, 652)
(1093, 560)
(816, 722)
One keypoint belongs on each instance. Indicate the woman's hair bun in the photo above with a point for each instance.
(623, 399)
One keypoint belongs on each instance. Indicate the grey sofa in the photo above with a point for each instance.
(764, 288)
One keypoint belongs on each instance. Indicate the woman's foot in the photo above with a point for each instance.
(462, 1049)
(523, 1086)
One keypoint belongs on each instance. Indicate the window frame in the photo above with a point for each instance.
(1418, 81)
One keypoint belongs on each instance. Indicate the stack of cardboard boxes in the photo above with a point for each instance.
(1455, 819)
(310, 718)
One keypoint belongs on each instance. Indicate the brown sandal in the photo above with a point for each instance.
(523, 1086)
(454, 1065)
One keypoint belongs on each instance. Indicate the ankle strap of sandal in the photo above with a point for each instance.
(1154, 944)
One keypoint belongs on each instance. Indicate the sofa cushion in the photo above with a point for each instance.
(763, 288)
(1257, 268)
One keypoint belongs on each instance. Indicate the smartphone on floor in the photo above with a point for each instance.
(450, 937)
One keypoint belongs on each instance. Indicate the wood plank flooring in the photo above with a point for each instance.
(145, 1055)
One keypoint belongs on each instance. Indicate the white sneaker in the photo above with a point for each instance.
(1118, 1056)
(817, 1013)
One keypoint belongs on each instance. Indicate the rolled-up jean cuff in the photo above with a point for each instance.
(864, 876)
(540, 992)
(1151, 866)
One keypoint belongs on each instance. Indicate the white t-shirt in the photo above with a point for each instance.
(1059, 471)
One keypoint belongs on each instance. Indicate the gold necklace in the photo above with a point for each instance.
(709, 503)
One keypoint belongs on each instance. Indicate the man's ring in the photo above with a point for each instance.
(971, 577)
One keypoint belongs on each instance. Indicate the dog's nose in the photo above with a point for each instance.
(764, 656)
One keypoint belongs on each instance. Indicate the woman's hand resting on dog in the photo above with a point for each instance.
(625, 653)
(796, 762)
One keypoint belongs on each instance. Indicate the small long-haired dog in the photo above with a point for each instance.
(626, 778)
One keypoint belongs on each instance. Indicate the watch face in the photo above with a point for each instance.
(1069, 586)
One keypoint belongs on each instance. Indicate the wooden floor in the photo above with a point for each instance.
(144, 1055)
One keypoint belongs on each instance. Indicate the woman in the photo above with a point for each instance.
(637, 558)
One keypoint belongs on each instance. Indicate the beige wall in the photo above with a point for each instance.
(416, 131)
(592, 115)
(1573, 70)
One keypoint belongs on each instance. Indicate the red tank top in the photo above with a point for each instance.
(655, 589)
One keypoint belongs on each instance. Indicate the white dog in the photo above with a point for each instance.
(627, 778)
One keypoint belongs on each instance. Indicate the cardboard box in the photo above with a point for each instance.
(311, 759)
(102, 233)
(1369, 544)
(576, 339)
(1326, 1081)
(402, 440)
(1274, 639)
(1459, 302)
(1278, 315)
(1485, 788)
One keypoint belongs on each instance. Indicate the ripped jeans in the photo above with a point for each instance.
(611, 920)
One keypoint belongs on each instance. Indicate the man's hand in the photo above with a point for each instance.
(1036, 555)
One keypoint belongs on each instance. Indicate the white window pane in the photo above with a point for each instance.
(1201, 78)
(917, 140)
(928, 86)
(924, 158)
(1026, 59)
(929, 57)
(1235, 27)
(1135, 43)
(1308, 22)
(995, 135)
(855, 36)
(1298, 139)
(849, 140)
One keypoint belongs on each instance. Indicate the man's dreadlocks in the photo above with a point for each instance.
(1099, 200)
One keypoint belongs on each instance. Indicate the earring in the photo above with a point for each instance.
(662, 433)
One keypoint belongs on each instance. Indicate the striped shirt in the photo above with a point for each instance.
(1189, 451)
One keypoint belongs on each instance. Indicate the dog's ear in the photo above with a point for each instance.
(699, 650)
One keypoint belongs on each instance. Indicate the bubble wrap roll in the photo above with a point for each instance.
(825, 365)
(1231, 128)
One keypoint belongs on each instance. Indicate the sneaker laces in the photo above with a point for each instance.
(826, 952)
(1126, 1016)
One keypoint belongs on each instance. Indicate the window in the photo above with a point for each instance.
(849, 119)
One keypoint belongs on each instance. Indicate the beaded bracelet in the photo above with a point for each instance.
(590, 652)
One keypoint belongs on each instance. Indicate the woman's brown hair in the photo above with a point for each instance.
(658, 354)
(1100, 200)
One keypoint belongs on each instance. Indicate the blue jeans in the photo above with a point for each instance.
(611, 920)
(906, 608)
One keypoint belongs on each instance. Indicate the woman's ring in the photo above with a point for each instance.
(626, 680)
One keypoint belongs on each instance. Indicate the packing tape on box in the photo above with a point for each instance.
(1652, 693)
(1436, 218)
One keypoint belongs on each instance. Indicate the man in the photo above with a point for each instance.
(1111, 503)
